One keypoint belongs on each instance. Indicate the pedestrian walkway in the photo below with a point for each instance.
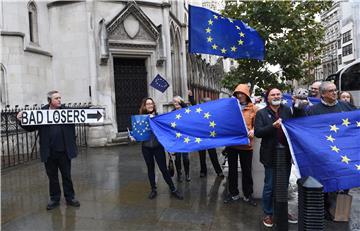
(112, 186)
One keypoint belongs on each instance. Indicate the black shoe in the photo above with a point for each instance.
(52, 204)
(250, 200)
(73, 202)
(230, 199)
(179, 178)
(202, 174)
(187, 177)
(177, 195)
(152, 194)
(220, 174)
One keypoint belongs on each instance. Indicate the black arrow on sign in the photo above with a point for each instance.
(97, 116)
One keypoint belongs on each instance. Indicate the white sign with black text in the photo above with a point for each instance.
(62, 116)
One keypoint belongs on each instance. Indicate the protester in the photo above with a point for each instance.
(57, 148)
(347, 97)
(314, 89)
(178, 104)
(329, 104)
(152, 149)
(244, 152)
(268, 127)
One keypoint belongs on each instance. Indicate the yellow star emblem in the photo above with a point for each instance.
(345, 159)
(216, 17)
(230, 20)
(357, 166)
(214, 46)
(223, 50)
(333, 128)
(233, 48)
(357, 124)
(207, 115)
(330, 138)
(178, 116)
(240, 42)
(186, 140)
(241, 34)
(187, 110)
(237, 27)
(212, 133)
(212, 124)
(173, 124)
(335, 149)
(178, 135)
(209, 39)
(346, 122)
(198, 140)
(210, 22)
(208, 30)
(198, 110)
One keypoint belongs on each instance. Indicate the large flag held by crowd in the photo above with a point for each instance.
(211, 33)
(287, 99)
(327, 148)
(209, 125)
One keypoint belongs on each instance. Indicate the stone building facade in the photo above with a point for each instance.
(103, 52)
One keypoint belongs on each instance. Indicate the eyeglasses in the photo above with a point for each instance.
(332, 90)
(149, 104)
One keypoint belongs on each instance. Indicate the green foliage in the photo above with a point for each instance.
(290, 32)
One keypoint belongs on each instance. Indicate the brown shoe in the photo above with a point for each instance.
(267, 221)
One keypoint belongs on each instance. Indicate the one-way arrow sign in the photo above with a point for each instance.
(62, 116)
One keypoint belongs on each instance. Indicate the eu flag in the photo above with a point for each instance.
(159, 83)
(140, 127)
(209, 125)
(287, 99)
(211, 33)
(327, 148)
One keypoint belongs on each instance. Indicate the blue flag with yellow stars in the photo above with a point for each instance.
(209, 125)
(140, 127)
(211, 33)
(159, 83)
(327, 147)
(287, 99)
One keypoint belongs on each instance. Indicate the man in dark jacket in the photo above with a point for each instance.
(57, 148)
(268, 127)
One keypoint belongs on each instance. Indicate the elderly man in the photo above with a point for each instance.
(314, 89)
(57, 148)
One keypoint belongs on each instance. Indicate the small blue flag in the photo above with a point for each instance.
(327, 148)
(140, 127)
(211, 33)
(209, 125)
(287, 100)
(159, 83)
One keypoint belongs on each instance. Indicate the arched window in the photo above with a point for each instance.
(3, 86)
(33, 22)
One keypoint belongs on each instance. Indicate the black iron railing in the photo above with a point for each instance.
(19, 146)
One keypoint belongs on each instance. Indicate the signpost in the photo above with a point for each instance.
(62, 116)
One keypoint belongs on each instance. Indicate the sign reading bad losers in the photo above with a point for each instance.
(62, 116)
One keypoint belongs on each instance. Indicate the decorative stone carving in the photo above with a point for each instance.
(104, 43)
(132, 26)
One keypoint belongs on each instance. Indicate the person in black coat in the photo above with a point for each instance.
(57, 148)
(268, 127)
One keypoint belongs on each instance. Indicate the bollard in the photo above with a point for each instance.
(281, 162)
(311, 204)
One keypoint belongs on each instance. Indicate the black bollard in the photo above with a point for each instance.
(311, 204)
(281, 162)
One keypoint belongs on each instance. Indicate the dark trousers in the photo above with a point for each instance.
(185, 157)
(214, 160)
(55, 162)
(245, 162)
(158, 154)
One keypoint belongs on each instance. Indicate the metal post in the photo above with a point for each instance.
(311, 204)
(280, 188)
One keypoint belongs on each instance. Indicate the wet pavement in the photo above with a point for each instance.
(112, 186)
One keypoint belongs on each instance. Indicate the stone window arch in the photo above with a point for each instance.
(3, 86)
(175, 60)
(33, 22)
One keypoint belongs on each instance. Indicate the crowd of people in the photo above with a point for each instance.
(58, 147)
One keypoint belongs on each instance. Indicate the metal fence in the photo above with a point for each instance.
(19, 146)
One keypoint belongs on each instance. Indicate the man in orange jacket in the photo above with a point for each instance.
(245, 152)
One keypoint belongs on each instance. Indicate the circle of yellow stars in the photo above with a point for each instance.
(334, 129)
(214, 46)
(205, 115)
(141, 131)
